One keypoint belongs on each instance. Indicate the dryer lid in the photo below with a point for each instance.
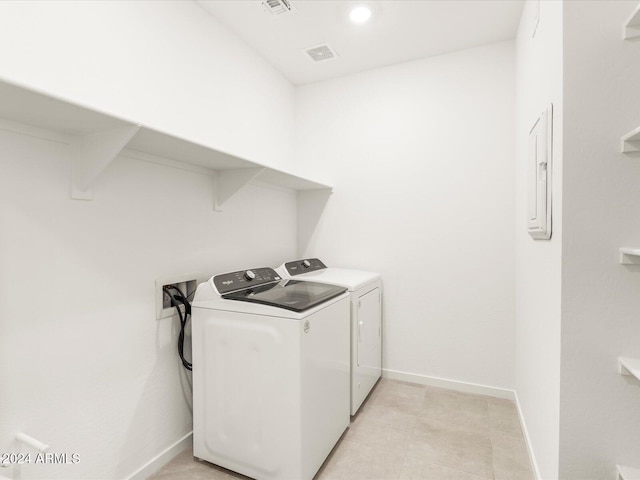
(350, 279)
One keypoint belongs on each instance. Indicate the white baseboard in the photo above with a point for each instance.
(525, 433)
(164, 457)
(450, 384)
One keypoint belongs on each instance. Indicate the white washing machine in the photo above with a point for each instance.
(270, 373)
(365, 289)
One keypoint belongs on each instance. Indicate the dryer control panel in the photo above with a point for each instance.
(303, 266)
(230, 282)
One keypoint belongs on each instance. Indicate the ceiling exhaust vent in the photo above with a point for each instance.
(321, 52)
(277, 7)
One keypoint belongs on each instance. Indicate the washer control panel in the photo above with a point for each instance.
(230, 282)
(303, 266)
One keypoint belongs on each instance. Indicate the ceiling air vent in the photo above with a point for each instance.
(321, 52)
(277, 7)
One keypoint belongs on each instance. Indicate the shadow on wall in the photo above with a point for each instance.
(311, 205)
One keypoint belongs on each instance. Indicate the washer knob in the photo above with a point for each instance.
(249, 275)
(306, 263)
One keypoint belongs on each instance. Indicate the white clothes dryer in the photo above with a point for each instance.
(270, 373)
(365, 289)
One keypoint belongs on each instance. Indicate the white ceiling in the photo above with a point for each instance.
(398, 31)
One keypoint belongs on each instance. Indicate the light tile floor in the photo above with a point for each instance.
(406, 431)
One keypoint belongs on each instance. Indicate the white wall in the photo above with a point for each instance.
(599, 409)
(421, 155)
(165, 64)
(85, 365)
(538, 263)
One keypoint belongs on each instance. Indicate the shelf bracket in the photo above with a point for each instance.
(629, 256)
(629, 366)
(627, 473)
(631, 142)
(90, 155)
(229, 182)
(632, 27)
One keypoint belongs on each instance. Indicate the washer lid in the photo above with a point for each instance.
(294, 295)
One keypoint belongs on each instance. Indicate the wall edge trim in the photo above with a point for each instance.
(457, 385)
(164, 457)
(527, 440)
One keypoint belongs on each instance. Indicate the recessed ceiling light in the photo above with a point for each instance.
(360, 14)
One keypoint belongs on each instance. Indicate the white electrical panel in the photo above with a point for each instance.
(539, 177)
